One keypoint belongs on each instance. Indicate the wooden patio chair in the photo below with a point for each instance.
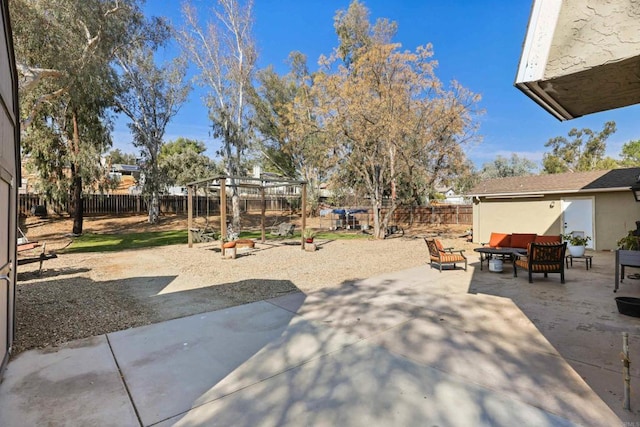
(542, 258)
(444, 256)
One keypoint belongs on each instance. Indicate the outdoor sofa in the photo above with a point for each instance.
(544, 254)
(519, 240)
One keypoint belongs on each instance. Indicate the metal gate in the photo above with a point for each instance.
(9, 182)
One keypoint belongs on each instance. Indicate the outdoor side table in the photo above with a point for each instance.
(588, 260)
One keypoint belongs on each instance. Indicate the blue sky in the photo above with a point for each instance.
(476, 43)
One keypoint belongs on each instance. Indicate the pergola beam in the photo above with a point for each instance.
(245, 182)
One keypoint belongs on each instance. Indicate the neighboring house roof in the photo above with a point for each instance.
(119, 167)
(570, 182)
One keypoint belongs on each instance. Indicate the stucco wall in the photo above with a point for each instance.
(591, 33)
(537, 215)
(616, 214)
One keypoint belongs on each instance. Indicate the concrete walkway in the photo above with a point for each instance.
(416, 347)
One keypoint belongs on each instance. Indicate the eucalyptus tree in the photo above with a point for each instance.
(150, 96)
(64, 50)
(584, 150)
(224, 52)
(392, 122)
(630, 154)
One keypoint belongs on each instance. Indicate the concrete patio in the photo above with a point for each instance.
(416, 347)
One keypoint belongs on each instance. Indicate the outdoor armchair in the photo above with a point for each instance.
(285, 229)
(542, 258)
(440, 255)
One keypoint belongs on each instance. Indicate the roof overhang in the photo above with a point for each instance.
(539, 194)
(581, 57)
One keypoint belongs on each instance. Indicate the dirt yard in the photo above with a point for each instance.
(81, 295)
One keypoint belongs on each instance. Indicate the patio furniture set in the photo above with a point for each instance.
(530, 252)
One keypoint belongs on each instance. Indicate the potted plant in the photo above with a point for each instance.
(576, 243)
(627, 254)
(630, 242)
(308, 235)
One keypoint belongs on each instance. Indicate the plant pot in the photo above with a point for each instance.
(576, 250)
(628, 306)
(309, 240)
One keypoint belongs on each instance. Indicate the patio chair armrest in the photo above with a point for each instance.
(450, 250)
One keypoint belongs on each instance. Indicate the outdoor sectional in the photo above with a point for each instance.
(512, 244)
(519, 240)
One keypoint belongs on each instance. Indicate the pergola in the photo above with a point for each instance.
(220, 183)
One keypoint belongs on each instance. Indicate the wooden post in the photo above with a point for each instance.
(263, 209)
(223, 208)
(304, 213)
(190, 215)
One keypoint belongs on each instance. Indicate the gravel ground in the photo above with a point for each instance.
(81, 295)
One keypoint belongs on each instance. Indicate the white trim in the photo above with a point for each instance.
(537, 43)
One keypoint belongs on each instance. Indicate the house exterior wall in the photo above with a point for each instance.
(535, 215)
(9, 182)
(615, 214)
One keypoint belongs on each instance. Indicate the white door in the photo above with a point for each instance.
(577, 215)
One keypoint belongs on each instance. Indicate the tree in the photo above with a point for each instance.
(502, 167)
(394, 125)
(225, 54)
(64, 49)
(292, 143)
(183, 161)
(583, 152)
(118, 157)
(631, 153)
(150, 96)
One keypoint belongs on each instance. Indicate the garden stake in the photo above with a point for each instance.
(626, 404)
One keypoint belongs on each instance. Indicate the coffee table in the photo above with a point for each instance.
(588, 260)
(487, 253)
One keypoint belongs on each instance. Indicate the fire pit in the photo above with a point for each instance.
(628, 306)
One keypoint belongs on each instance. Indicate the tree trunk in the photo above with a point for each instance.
(76, 202)
(154, 208)
(76, 186)
(235, 207)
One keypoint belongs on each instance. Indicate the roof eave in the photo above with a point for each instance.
(544, 193)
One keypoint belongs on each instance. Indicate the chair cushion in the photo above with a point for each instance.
(538, 268)
(439, 245)
(521, 240)
(451, 258)
(548, 239)
(523, 262)
(500, 240)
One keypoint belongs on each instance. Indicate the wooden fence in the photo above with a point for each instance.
(440, 214)
(97, 204)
